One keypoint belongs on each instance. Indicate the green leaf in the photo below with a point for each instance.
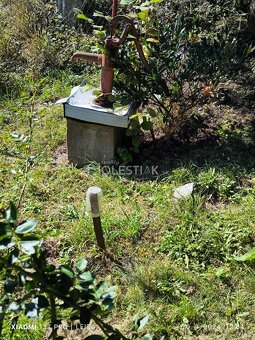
(108, 303)
(9, 286)
(104, 291)
(111, 288)
(5, 229)
(53, 233)
(108, 18)
(102, 287)
(141, 322)
(19, 137)
(26, 227)
(81, 265)
(124, 101)
(86, 277)
(136, 115)
(250, 255)
(98, 27)
(153, 40)
(75, 293)
(143, 15)
(220, 271)
(11, 214)
(98, 14)
(7, 243)
(84, 17)
(147, 125)
(100, 34)
(97, 93)
(42, 301)
(156, 1)
(80, 287)
(147, 337)
(31, 310)
(152, 112)
(134, 123)
(125, 2)
(67, 271)
(109, 295)
(112, 98)
(28, 246)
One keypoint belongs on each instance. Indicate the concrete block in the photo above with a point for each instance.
(91, 142)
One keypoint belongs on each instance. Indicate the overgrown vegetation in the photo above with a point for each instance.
(190, 48)
(186, 264)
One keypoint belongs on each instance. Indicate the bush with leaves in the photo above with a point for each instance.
(189, 47)
(30, 285)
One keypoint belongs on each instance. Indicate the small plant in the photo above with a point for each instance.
(247, 257)
(30, 285)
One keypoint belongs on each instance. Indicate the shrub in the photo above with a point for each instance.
(189, 47)
(33, 286)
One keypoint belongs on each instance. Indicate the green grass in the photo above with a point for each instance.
(177, 258)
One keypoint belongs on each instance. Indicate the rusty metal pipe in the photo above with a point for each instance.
(118, 18)
(112, 45)
(141, 54)
(90, 57)
(114, 13)
(107, 73)
(114, 7)
(130, 28)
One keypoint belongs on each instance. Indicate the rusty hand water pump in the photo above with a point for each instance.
(112, 44)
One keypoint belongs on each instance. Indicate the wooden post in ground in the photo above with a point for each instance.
(93, 207)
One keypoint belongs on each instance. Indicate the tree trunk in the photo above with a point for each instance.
(251, 20)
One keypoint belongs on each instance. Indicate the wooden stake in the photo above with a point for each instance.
(94, 194)
(99, 233)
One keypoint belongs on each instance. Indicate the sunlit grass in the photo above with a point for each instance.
(177, 257)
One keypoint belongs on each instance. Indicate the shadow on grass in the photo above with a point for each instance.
(230, 153)
(227, 148)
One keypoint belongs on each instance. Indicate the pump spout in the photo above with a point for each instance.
(112, 44)
(90, 57)
(106, 73)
